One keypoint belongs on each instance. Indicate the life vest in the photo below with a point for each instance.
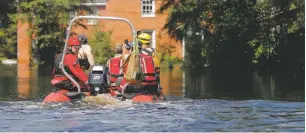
(114, 69)
(57, 72)
(151, 52)
(148, 70)
(57, 69)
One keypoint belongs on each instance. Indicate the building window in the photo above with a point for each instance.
(93, 12)
(148, 8)
(153, 37)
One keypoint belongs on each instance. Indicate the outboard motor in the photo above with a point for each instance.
(98, 80)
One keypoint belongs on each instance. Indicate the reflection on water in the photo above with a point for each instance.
(171, 81)
(184, 115)
(22, 82)
(182, 112)
(8, 81)
(242, 85)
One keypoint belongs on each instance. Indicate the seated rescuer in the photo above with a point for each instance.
(114, 64)
(127, 49)
(118, 50)
(71, 63)
(118, 53)
(85, 56)
(144, 42)
(149, 83)
(114, 70)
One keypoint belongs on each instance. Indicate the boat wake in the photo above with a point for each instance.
(106, 100)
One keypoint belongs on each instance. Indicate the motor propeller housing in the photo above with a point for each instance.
(98, 80)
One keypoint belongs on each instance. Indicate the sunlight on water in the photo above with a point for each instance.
(105, 113)
(106, 101)
(102, 99)
(201, 106)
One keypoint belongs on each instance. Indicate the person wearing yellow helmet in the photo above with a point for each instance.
(144, 41)
(144, 38)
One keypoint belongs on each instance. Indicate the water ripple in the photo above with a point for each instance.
(184, 115)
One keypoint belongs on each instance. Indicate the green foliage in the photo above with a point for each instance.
(222, 25)
(280, 32)
(167, 59)
(259, 50)
(101, 46)
(8, 34)
(238, 32)
(49, 20)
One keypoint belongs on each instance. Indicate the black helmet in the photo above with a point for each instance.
(82, 38)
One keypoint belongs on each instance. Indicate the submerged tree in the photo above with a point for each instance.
(8, 34)
(235, 37)
(225, 26)
(240, 33)
(48, 20)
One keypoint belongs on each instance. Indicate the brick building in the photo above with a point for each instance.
(141, 13)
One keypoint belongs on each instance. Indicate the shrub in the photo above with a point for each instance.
(101, 46)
